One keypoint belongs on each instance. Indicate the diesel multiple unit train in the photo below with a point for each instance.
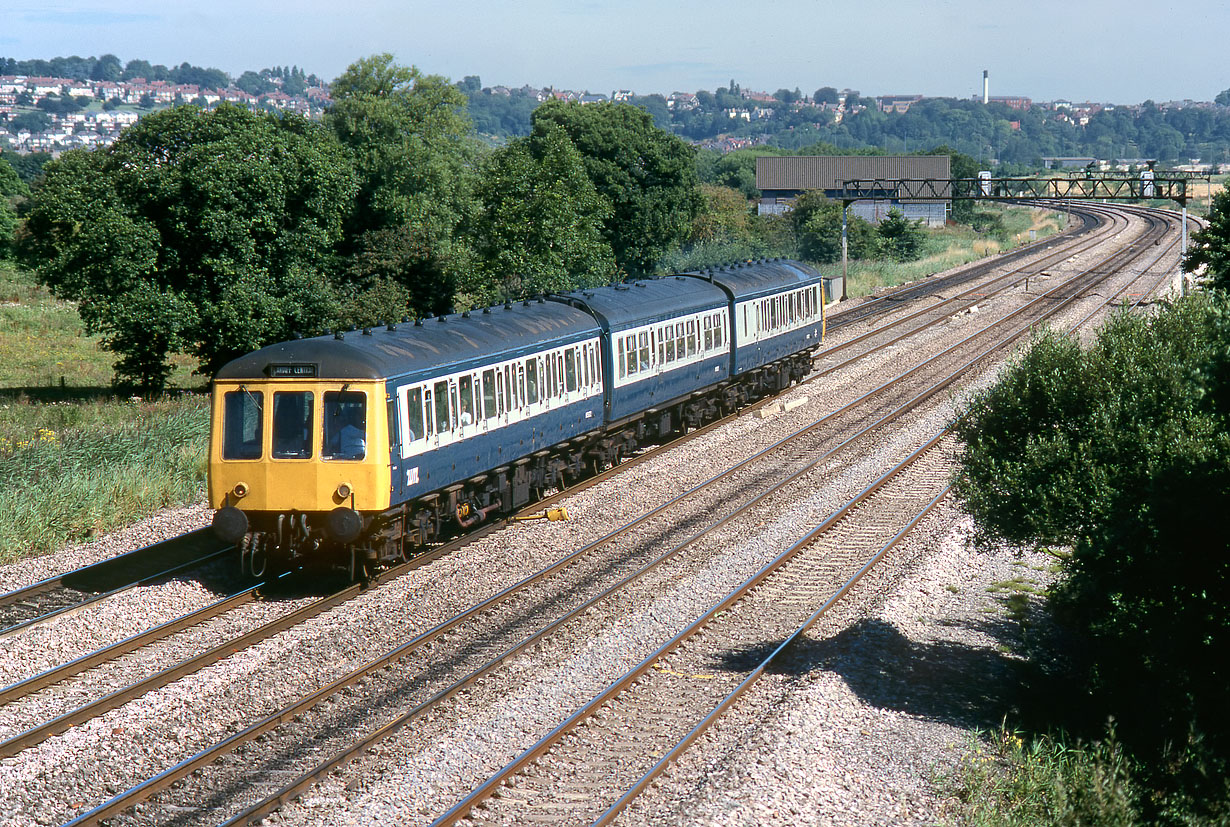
(359, 448)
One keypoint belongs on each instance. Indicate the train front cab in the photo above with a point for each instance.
(297, 462)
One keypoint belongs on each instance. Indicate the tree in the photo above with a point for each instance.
(540, 228)
(1223, 98)
(208, 231)
(12, 188)
(725, 216)
(134, 69)
(817, 224)
(826, 94)
(1119, 451)
(1210, 247)
(648, 175)
(108, 68)
(29, 122)
(900, 238)
(253, 84)
(408, 137)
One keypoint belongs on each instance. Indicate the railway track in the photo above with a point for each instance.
(630, 733)
(362, 695)
(34, 604)
(293, 713)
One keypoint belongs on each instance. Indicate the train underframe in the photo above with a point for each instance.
(367, 542)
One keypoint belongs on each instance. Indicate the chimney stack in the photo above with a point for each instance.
(986, 86)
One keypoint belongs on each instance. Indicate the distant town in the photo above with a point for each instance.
(54, 114)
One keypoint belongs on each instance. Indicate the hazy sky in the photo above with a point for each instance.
(1123, 52)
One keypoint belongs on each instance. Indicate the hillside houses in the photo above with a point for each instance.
(91, 128)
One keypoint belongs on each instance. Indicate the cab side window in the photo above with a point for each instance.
(242, 424)
(345, 425)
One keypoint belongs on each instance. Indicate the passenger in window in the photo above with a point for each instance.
(353, 439)
(467, 416)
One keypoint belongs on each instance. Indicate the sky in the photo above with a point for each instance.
(1125, 51)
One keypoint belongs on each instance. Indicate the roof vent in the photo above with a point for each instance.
(391, 326)
(339, 335)
(508, 305)
(367, 331)
(525, 303)
(297, 335)
(542, 299)
(465, 314)
(441, 318)
(418, 322)
(405, 320)
(486, 310)
(640, 284)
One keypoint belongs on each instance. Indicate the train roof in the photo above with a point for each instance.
(459, 340)
(752, 279)
(646, 301)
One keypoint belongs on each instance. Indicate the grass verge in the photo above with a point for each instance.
(951, 247)
(75, 460)
(70, 471)
(1007, 780)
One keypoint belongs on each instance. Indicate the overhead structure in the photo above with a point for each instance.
(1171, 186)
(1150, 184)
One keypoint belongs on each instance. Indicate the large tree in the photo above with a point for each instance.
(210, 232)
(11, 189)
(409, 139)
(648, 175)
(540, 228)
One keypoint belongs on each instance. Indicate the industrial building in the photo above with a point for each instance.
(781, 179)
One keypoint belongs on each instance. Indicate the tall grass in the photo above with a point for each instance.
(1011, 781)
(948, 248)
(70, 471)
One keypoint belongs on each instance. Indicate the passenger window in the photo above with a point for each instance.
(630, 352)
(452, 395)
(691, 337)
(465, 386)
(644, 350)
(489, 410)
(414, 414)
(531, 381)
(242, 419)
(292, 425)
(521, 397)
(500, 389)
(345, 414)
(440, 389)
(661, 347)
(708, 333)
(570, 368)
(719, 322)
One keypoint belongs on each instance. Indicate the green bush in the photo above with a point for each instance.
(1122, 451)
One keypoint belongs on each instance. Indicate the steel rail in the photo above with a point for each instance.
(250, 732)
(464, 807)
(672, 755)
(98, 598)
(295, 788)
